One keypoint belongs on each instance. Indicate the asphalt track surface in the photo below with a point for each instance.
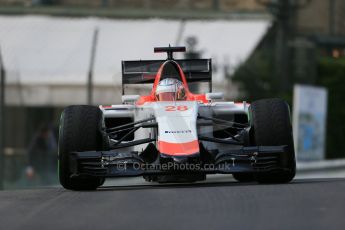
(218, 204)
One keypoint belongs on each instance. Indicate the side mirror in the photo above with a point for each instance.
(214, 96)
(129, 98)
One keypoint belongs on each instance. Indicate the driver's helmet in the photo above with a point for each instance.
(170, 89)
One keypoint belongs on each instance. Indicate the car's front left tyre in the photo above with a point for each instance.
(271, 126)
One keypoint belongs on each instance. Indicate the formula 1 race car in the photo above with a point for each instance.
(173, 135)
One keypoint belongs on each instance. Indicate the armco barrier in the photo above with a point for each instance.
(321, 165)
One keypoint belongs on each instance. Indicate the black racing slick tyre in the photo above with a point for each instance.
(80, 130)
(244, 177)
(271, 125)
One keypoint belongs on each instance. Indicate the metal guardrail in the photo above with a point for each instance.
(321, 165)
(110, 12)
(215, 5)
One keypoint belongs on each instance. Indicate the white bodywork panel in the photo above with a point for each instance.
(177, 121)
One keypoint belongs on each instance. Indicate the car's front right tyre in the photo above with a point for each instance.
(244, 177)
(80, 130)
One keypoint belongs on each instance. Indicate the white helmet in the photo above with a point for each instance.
(170, 89)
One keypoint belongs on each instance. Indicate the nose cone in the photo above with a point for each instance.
(186, 159)
(179, 149)
(177, 131)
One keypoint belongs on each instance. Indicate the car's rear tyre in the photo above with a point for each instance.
(80, 130)
(271, 125)
(244, 177)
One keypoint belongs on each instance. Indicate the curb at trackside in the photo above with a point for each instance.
(321, 165)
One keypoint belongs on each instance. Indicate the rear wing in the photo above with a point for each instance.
(144, 72)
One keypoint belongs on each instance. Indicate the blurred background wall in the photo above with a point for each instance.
(304, 45)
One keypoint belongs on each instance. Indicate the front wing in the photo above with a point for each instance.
(116, 164)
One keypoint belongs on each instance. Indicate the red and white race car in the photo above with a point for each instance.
(173, 135)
